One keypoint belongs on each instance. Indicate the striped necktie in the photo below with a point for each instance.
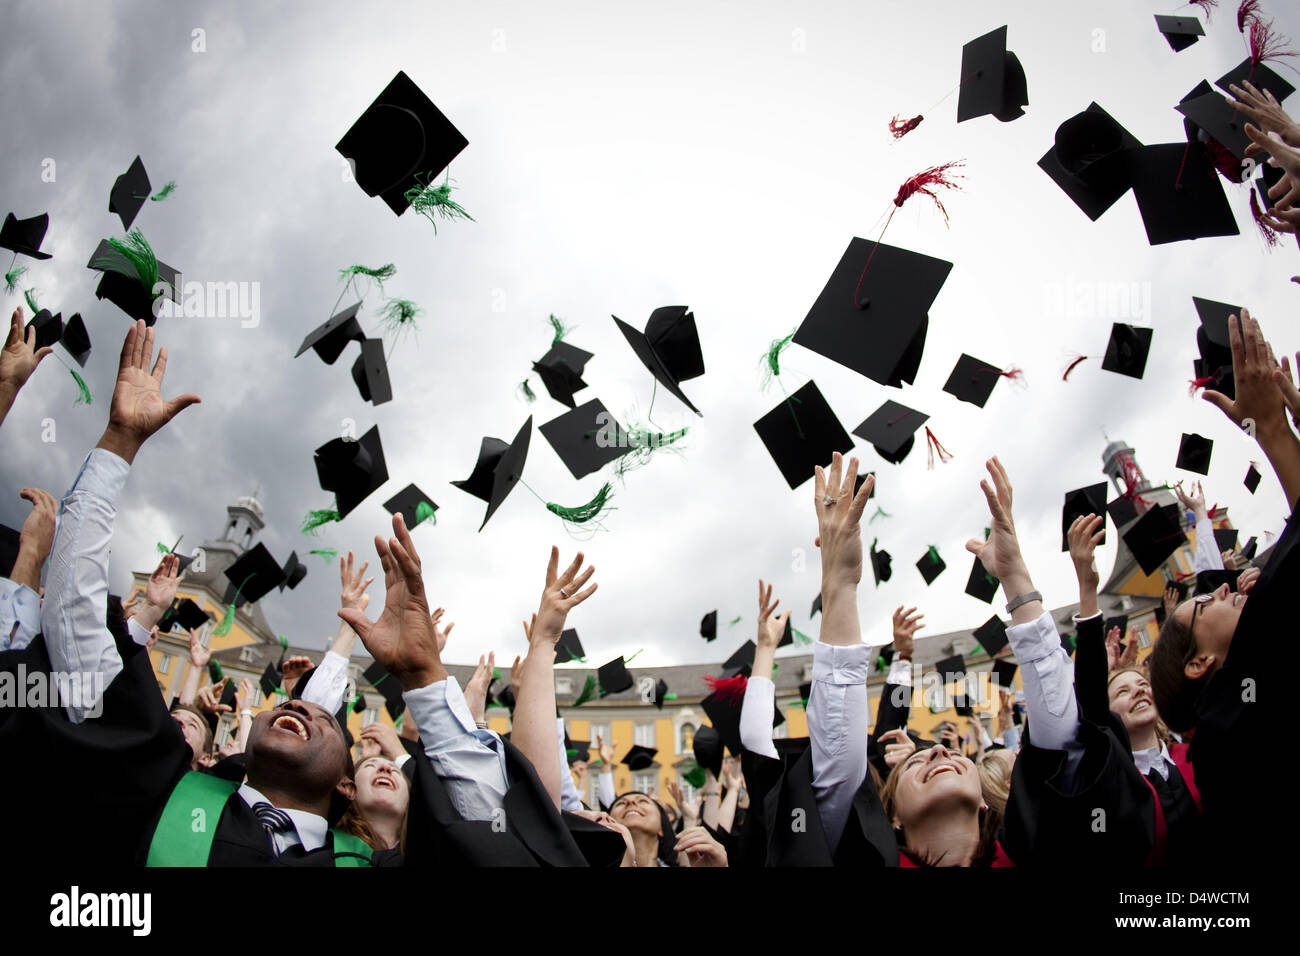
(275, 821)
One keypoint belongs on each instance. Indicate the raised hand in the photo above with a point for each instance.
(1282, 156)
(1000, 554)
(1259, 399)
(208, 699)
(34, 540)
(160, 590)
(385, 738)
(1246, 583)
(1194, 502)
(1264, 109)
(292, 672)
(353, 584)
(199, 655)
(700, 848)
(244, 695)
(476, 687)
(839, 516)
(1112, 649)
(1086, 532)
(606, 752)
(1130, 654)
(153, 638)
(19, 359)
(1290, 394)
(562, 593)
(770, 629)
(1171, 600)
(441, 633)
(898, 746)
(516, 669)
(906, 623)
(138, 409)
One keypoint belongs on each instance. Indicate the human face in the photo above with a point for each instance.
(193, 729)
(1212, 619)
(637, 811)
(297, 744)
(1130, 698)
(382, 788)
(936, 780)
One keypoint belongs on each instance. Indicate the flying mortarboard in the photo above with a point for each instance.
(741, 662)
(1079, 502)
(972, 380)
(880, 564)
(586, 439)
(1004, 673)
(724, 715)
(1208, 115)
(576, 750)
(1118, 620)
(399, 136)
(129, 286)
(614, 677)
(76, 340)
(370, 372)
(669, 348)
(707, 747)
(48, 328)
(185, 613)
(1252, 478)
(661, 693)
(1155, 536)
(254, 574)
(130, 192)
(1248, 550)
(568, 647)
(891, 430)
(1181, 32)
(1225, 539)
(1179, 194)
(639, 758)
(951, 668)
(1122, 510)
(1194, 454)
(414, 505)
(24, 236)
(1212, 579)
(992, 79)
(1259, 75)
(874, 320)
(992, 635)
(981, 584)
(930, 565)
(1214, 344)
(816, 605)
(560, 370)
(388, 686)
(1127, 350)
(498, 468)
(1091, 160)
(801, 433)
(329, 340)
(294, 572)
(270, 680)
(352, 469)
(709, 626)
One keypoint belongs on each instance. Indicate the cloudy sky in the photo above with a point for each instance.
(719, 156)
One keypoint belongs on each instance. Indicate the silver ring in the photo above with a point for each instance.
(828, 501)
(563, 593)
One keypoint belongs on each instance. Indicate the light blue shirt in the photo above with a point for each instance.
(838, 715)
(20, 615)
(470, 761)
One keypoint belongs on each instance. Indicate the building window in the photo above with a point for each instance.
(644, 735)
(600, 731)
(564, 685)
(645, 781)
(685, 738)
(246, 655)
(164, 663)
(1144, 637)
(689, 793)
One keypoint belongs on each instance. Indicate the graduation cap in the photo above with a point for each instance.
(1225, 539)
(639, 758)
(801, 433)
(1090, 500)
(883, 660)
(1212, 579)
(122, 284)
(227, 698)
(724, 715)
(709, 626)
(388, 686)
(1194, 454)
(9, 540)
(874, 320)
(370, 372)
(1179, 194)
(270, 680)
(669, 348)
(661, 693)
(891, 430)
(414, 505)
(400, 136)
(930, 565)
(575, 750)
(981, 584)
(1155, 536)
(506, 698)
(992, 635)
(708, 745)
(76, 340)
(1122, 510)
(185, 613)
(1248, 550)
(1259, 75)
(613, 677)
(880, 564)
(498, 467)
(24, 236)
(252, 576)
(352, 469)
(1004, 673)
(1181, 32)
(816, 605)
(1091, 160)
(329, 340)
(741, 662)
(586, 439)
(294, 572)
(568, 647)
(130, 192)
(961, 703)
(48, 328)
(1252, 478)
(1214, 367)
(992, 79)
(951, 668)
(1127, 350)
(972, 380)
(560, 370)
(1210, 117)
(1118, 620)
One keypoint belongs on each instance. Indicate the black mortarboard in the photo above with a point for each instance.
(568, 647)
(560, 370)
(1252, 478)
(951, 668)
(1259, 75)
(185, 613)
(130, 192)
(858, 481)
(1214, 344)
(370, 372)
(1122, 510)
(498, 467)
(930, 565)
(661, 693)
(613, 677)
(961, 704)
(9, 540)
(1251, 546)
(669, 348)
(1117, 620)
(801, 433)
(1004, 673)
(1127, 350)
(816, 605)
(1181, 32)
(506, 698)
(352, 469)
(725, 718)
(254, 574)
(1209, 116)
(48, 328)
(294, 572)
(1267, 179)
(586, 439)
(414, 505)
(981, 584)
(388, 686)
(76, 340)
(1225, 539)
(741, 662)
(329, 340)
(787, 636)
(708, 748)
(972, 380)
(709, 626)
(121, 285)
(805, 690)
(575, 750)
(992, 79)
(639, 758)
(399, 136)
(227, 698)
(270, 680)
(891, 430)
(1179, 194)
(1212, 579)
(1079, 502)
(880, 564)
(24, 236)
(1091, 160)
(874, 320)
(1194, 454)
(992, 635)
(1155, 536)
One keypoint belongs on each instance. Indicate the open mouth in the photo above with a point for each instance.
(942, 768)
(1142, 705)
(291, 724)
(385, 782)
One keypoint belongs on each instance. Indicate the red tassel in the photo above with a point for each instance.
(901, 128)
(1065, 376)
(1013, 373)
(1246, 13)
(1266, 43)
(1266, 228)
(922, 181)
(1204, 381)
(932, 446)
(1206, 5)
(1223, 160)
(729, 689)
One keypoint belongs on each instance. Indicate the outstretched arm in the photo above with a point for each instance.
(758, 708)
(20, 602)
(328, 684)
(17, 362)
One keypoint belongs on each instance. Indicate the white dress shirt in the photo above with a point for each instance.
(309, 829)
(1208, 557)
(605, 788)
(837, 728)
(1048, 675)
(329, 683)
(20, 615)
(76, 582)
(757, 711)
(469, 760)
(1153, 758)
(570, 799)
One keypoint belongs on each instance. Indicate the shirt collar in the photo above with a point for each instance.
(1151, 758)
(311, 828)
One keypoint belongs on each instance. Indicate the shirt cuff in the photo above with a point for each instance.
(1094, 615)
(1034, 640)
(103, 475)
(432, 696)
(840, 664)
(138, 632)
(900, 672)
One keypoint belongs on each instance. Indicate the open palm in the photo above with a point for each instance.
(138, 408)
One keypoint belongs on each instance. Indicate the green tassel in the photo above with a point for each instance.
(561, 330)
(800, 637)
(132, 256)
(424, 512)
(588, 691)
(329, 554)
(163, 193)
(692, 773)
(215, 672)
(222, 629)
(496, 674)
(642, 444)
(12, 277)
(163, 549)
(775, 667)
(670, 696)
(397, 724)
(529, 395)
(629, 660)
(771, 360)
(880, 513)
(434, 202)
(733, 622)
(802, 703)
(581, 514)
(399, 315)
(315, 519)
(83, 391)
(30, 296)
(933, 554)
(284, 642)
(378, 273)
(570, 753)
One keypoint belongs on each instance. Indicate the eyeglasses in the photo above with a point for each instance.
(1197, 603)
